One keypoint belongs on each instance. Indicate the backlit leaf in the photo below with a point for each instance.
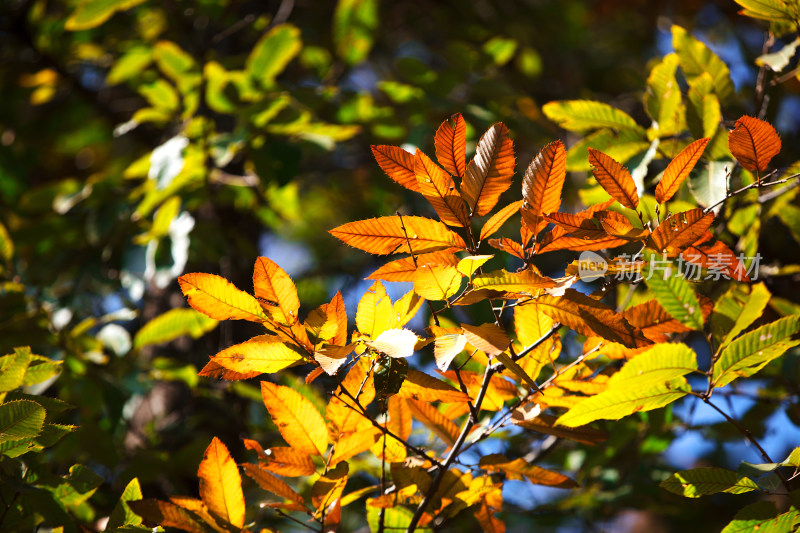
(13, 368)
(499, 218)
(122, 514)
(542, 185)
(659, 364)
(679, 169)
(680, 230)
(173, 324)
(20, 419)
(385, 235)
(662, 100)
(446, 347)
(273, 52)
(489, 173)
(708, 480)
(399, 423)
(421, 386)
(374, 313)
(283, 460)
(354, 25)
(709, 183)
(718, 259)
(332, 357)
(404, 309)
(343, 414)
(434, 282)
(404, 269)
(327, 490)
(471, 263)
(703, 113)
(488, 338)
(763, 517)
(169, 515)
(221, 484)
(754, 142)
(394, 342)
(329, 321)
(92, 13)
(508, 245)
(219, 299)
(614, 178)
(653, 320)
(546, 424)
(397, 164)
(752, 351)
(434, 420)
(528, 280)
(500, 389)
(271, 483)
(298, 421)
(736, 310)
(450, 142)
(217, 371)
(519, 469)
(585, 115)
(438, 188)
(264, 354)
(673, 292)
(276, 292)
(696, 58)
(614, 404)
(354, 443)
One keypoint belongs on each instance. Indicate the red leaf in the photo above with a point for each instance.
(678, 169)
(451, 145)
(754, 142)
(398, 165)
(614, 178)
(542, 184)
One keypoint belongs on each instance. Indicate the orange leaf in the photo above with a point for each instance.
(578, 244)
(577, 225)
(438, 188)
(343, 418)
(754, 142)
(398, 165)
(518, 468)
(270, 483)
(198, 508)
(653, 320)
(590, 317)
(421, 386)
(354, 443)
(434, 282)
(385, 235)
(434, 420)
(614, 178)
(168, 515)
(218, 298)
(485, 515)
(680, 230)
(283, 460)
(262, 354)
(221, 484)
(276, 292)
(718, 259)
(216, 370)
(404, 269)
(451, 144)
(488, 338)
(399, 423)
(328, 322)
(542, 184)
(546, 424)
(489, 173)
(508, 245)
(327, 490)
(298, 421)
(678, 169)
(500, 390)
(617, 225)
(498, 219)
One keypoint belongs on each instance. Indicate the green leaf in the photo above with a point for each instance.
(6, 244)
(74, 488)
(52, 406)
(354, 25)
(173, 324)
(173, 61)
(273, 52)
(762, 517)
(122, 514)
(696, 58)
(752, 351)
(662, 100)
(20, 419)
(672, 291)
(790, 216)
(737, 309)
(500, 49)
(40, 369)
(161, 95)
(703, 114)
(701, 481)
(659, 364)
(613, 404)
(130, 64)
(585, 115)
(777, 61)
(13, 368)
(394, 519)
(92, 13)
(709, 183)
(621, 146)
(768, 9)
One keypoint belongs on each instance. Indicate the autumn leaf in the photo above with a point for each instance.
(397, 164)
(328, 322)
(497, 220)
(446, 347)
(508, 245)
(298, 421)
(519, 469)
(754, 142)
(219, 299)
(283, 460)
(499, 391)
(654, 322)
(343, 414)
(217, 371)
(327, 490)
(546, 424)
(275, 291)
(488, 338)
(395, 342)
(168, 514)
(489, 173)
(374, 313)
(221, 484)
(542, 184)
(331, 357)
(438, 188)
(528, 280)
(394, 234)
(399, 423)
(617, 225)
(678, 169)
(421, 386)
(451, 147)
(434, 420)
(261, 354)
(434, 282)
(404, 269)
(271, 483)
(614, 178)
(351, 444)
(471, 263)
(720, 260)
(679, 231)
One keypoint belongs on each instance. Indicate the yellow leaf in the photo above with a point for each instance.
(276, 292)
(354, 443)
(327, 490)
(446, 347)
(405, 308)
(399, 423)
(283, 460)
(498, 219)
(434, 420)
(344, 416)
(298, 421)
(374, 314)
(271, 483)
(528, 281)
(221, 484)
(518, 468)
(404, 269)
(488, 338)
(328, 322)
(434, 282)
(470, 264)
(263, 354)
(219, 298)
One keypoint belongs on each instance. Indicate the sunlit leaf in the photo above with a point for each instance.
(271, 483)
(219, 299)
(500, 390)
(528, 280)
(264, 354)
(471, 263)
(488, 338)
(173, 324)
(332, 357)
(720, 260)
(585, 115)
(662, 100)
(275, 291)
(696, 58)
(92, 13)
(678, 169)
(434, 420)
(709, 183)
(405, 268)
(13, 368)
(654, 322)
(341, 411)
(298, 421)
(508, 245)
(434, 282)
(489, 173)
(386, 235)
(499, 218)
(446, 347)
(283, 460)
(754, 142)
(397, 164)
(450, 142)
(659, 364)
(763, 517)
(546, 424)
(519, 469)
(614, 178)
(122, 514)
(421, 386)
(354, 25)
(680, 230)
(20, 419)
(673, 292)
(399, 423)
(438, 188)
(169, 515)
(374, 313)
(329, 321)
(703, 113)
(354, 443)
(327, 490)
(542, 185)
(777, 61)
(708, 480)
(736, 310)
(394, 342)
(221, 484)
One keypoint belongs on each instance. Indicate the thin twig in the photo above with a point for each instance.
(753, 185)
(414, 260)
(295, 520)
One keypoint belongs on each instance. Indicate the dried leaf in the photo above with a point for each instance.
(542, 184)
(718, 259)
(518, 468)
(298, 421)
(438, 188)
(451, 145)
(614, 178)
(489, 173)
(678, 169)
(221, 484)
(386, 235)
(754, 142)
(397, 164)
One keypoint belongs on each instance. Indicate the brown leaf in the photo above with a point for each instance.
(385, 235)
(542, 184)
(718, 258)
(680, 230)
(617, 225)
(270, 483)
(216, 370)
(498, 219)
(518, 468)
(283, 460)
(678, 169)
(489, 173)
(421, 386)
(546, 424)
(754, 142)
(404, 269)
(614, 178)
(221, 484)
(653, 320)
(438, 188)
(431, 418)
(488, 338)
(508, 245)
(168, 515)
(451, 145)
(398, 165)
